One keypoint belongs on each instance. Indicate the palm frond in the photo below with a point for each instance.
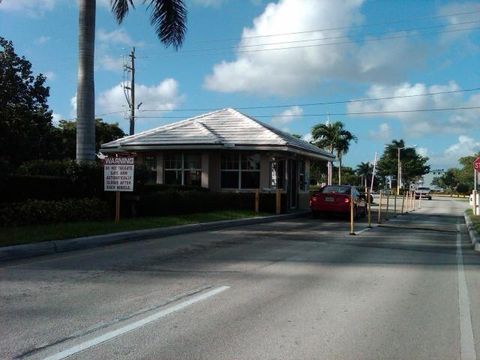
(169, 18)
(120, 8)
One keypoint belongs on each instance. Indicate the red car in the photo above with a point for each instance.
(336, 199)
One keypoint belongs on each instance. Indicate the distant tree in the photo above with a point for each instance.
(414, 166)
(26, 128)
(365, 171)
(297, 136)
(334, 138)
(66, 135)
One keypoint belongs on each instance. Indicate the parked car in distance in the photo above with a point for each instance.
(336, 199)
(361, 190)
(423, 192)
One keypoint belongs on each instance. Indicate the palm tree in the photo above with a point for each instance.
(334, 138)
(364, 170)
(168, 17)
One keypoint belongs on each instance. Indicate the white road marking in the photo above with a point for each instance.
(112, 334)
(467, 343)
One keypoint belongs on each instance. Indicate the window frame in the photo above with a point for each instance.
(182, 169)
(239, 170)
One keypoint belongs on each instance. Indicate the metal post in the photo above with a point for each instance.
(352, 232)
(369, 209)
(394, 205)
(379, 221)
(388, 200)
(117, 207)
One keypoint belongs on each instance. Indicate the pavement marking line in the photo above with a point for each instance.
(467, 343)
(135, 325)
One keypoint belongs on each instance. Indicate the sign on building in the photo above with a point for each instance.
(118, 173)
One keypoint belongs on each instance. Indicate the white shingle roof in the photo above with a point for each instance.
(227, 128)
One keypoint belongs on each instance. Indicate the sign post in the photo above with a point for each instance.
(476, 168)
(118, 177)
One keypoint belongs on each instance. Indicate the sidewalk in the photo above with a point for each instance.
(16, 252)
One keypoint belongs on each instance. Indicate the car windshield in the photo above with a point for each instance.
(336, 189)
(424, 188)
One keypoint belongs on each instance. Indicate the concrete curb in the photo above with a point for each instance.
(57, 246)
(474, 238)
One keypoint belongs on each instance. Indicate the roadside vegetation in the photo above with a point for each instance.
(475, 220)
(38, 233)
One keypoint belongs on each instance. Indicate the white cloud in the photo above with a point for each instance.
(111, 63)
(465, 146)
(307, 137)
(109, 42)
(421, 123)
(209, 3)
(162, 97)
(115, 37)
(56, 118)
(467, 12)
(383, 134)
(50, 75)
(42, 40)
(73, 107)
(287, 116)
(422, 151)
(259, 69)
(28, 7)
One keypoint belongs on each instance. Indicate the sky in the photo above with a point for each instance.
(386, 69)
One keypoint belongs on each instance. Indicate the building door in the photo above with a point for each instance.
(293, 183)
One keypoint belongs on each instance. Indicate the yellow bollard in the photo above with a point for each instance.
(379, 221)
(369, 208)
(403, 201)
(386, 212)
(257, 201)
(394, 205)
(352, 232)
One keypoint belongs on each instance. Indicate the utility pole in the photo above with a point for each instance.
(131, 96)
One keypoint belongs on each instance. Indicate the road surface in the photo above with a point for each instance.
(296, 289)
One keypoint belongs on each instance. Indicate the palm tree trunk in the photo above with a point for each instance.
(85, 82)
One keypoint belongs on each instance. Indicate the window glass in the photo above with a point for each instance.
(173, 160)
(250, 162)
(173, 177)
(229, 161)
(229, 179)
(192, 177)
(250, 179)
(192, 161)
(151, 165)
(301, 176)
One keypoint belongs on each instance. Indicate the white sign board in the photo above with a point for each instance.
(118, 173)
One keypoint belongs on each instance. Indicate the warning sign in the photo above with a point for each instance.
(118, 173)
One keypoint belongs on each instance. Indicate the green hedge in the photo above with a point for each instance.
(187, 202)
(33, 212)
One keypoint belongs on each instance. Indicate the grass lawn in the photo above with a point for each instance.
(475, 220)
(29, 234)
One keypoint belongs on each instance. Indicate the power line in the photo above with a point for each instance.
(383, 112)
(347, 27)
(201, 52)
(324, 103)
(347, 36)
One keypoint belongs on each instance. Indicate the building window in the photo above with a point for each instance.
(277, 174)
(183, 169)
(240, 171)
(301, 176)
(151, 165)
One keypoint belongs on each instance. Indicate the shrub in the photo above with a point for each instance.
(172, 202)
(34, 212)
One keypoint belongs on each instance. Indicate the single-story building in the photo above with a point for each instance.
(225, 150)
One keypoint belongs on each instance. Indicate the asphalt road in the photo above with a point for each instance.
(296, 289)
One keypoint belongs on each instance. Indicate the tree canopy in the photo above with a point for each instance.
(334, 138)
(413, 165)
(26, 128)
